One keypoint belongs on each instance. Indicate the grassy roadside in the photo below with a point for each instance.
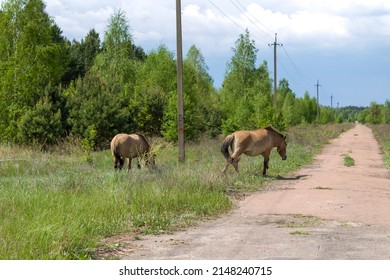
(382, 134)
(59, 205)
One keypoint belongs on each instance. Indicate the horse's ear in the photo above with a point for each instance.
(284, 137)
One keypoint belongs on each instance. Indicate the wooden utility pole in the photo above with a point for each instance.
(180, 103)
(275, 44)
(318, 102)
(331, 106)
(331, 101)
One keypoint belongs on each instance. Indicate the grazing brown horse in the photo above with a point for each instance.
(253, 143)
(131, 146)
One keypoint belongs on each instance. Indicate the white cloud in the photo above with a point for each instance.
(336, 28)
(76, 19)
(323, 24)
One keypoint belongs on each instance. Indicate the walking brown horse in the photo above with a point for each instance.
(253, 143)
(131, 146)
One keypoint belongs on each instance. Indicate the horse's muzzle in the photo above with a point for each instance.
(284, 157)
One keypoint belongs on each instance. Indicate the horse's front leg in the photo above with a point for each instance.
(138, 163)
(129, 165)
(266, 161)
(265, 165)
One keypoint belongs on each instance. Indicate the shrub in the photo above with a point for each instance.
(40, 125)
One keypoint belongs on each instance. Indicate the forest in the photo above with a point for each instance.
(53, 88)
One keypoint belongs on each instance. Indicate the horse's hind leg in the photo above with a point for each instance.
(129, 165)
(118, 163)
(236, 157)
(226, 166)
(138, 164)
(235, 164)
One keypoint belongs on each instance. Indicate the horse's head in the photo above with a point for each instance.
(150, 161)
(282, 148)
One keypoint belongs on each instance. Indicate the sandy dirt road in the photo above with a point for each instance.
(323, 211)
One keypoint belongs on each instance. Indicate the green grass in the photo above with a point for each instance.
(348, 160)
(59, 205)
(386, 150)
(299, 221)
(382, 134)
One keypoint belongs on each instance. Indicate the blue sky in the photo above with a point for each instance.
(345, 44)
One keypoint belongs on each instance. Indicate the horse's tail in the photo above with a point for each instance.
(118, 156)
(229, 140)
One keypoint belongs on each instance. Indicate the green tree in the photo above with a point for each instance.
(239, 78)
(363, 116)
(40, 125)
(289, 111)
(290, 106)
(192, 116)
(116, 65)
(309, 108)
(108, 85)
(155, 80)
(204, 81)
(95, 111)
(31, 57)
(326, 115)
(210, 111)
(386, 112)
(81, 56)
(246, 89)
(374, 113)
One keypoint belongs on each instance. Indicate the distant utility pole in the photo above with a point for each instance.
(331, 106)
(180, 103)
(275, 44)
(331, 101)
(318, 102)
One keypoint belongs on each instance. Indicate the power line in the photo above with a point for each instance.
(222, 12)
(228, 17)
(272, 32)
(243, 13)
(253, 20)
(289, 74)
(297, 70)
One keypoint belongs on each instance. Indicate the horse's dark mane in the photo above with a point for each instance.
(270, 128)
(143, 139)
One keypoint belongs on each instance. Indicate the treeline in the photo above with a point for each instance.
(374, 114)
(52, 88)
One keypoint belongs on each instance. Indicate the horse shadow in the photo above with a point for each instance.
(283, 178)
